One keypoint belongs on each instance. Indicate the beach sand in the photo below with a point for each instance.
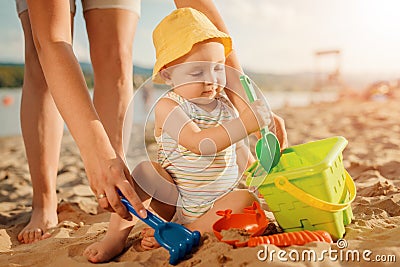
(372, 158)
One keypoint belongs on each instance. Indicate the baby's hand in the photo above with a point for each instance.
(256, 116)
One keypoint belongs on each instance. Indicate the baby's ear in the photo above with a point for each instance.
(166, 76)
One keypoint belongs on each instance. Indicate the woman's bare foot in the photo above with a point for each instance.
(39, 226)
(106, 249)
(148, 241)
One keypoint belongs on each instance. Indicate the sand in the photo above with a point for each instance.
(372, 158)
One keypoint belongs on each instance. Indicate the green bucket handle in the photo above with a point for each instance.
(283, 183)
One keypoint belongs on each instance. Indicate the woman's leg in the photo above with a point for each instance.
(151, 181)
(111, 33)
(42, 129)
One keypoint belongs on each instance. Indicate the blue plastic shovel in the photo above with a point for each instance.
(268, 150)
(177, 239)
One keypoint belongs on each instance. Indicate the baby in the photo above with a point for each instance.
(199, 136)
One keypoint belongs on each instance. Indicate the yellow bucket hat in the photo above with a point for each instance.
(176, 34)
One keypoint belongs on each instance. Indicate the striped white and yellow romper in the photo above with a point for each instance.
(200, 179)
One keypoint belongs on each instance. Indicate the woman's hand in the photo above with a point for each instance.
(106, 178)
(278, 128)
(280, 131)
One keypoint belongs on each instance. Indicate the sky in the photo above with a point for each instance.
(275, 36)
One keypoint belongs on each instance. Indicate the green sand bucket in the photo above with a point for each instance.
(309, 189)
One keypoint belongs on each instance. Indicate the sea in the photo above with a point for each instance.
(10, 100)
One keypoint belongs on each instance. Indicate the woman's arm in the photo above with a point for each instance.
(234, 93)
(50, 20)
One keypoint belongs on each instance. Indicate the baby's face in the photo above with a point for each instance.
(201, 73)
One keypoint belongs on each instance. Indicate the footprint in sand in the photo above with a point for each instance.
(390, 170)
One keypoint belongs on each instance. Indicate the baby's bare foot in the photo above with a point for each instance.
(39, 226)
(105, 250)
(149, 242)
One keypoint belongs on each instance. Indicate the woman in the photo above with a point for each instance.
(111, 26)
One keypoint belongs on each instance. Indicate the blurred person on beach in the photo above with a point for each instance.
(53, 82)
(147, 96)
(199, 135)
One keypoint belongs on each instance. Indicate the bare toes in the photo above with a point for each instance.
(148, 232)
(38, 233)
(91, 254)
(48, 233)
(91, 250)
(149, 243)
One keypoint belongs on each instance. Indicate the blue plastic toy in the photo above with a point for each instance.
(177, 239)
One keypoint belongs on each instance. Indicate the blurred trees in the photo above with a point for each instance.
(12, 76)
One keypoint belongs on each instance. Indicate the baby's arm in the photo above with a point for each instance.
(172, 119)
(244, 158)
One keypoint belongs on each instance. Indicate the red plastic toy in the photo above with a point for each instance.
(253, 220)
(293, 238)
